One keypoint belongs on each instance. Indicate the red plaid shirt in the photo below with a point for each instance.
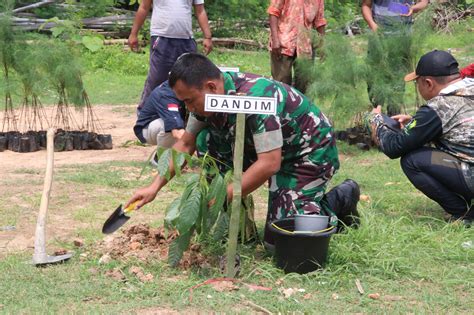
(296, 19)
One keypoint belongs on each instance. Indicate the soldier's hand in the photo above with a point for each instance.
(143, 196)
(177, 133)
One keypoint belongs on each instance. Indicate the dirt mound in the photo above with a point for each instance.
(146, 244)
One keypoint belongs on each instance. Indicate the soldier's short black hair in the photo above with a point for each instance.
(193, 69)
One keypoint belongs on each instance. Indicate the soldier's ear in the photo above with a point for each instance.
(211, 86)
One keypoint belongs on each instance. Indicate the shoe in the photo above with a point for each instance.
(343, 200)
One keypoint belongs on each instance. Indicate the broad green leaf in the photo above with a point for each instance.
(217, 195)
(93, 43)
(201, 226)
(178, 160)
(172, 213)
(57, 30)
(163, 166)
(189, 210)
(192, 179)
(189, 160)
(177, 248)
(221, 227)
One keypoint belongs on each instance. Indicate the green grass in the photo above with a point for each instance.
(404, 251)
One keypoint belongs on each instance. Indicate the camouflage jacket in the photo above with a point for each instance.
(299, 127)
(447, 121)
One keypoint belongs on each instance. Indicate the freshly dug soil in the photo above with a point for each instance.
(146, 244)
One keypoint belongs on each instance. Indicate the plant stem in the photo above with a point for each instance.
(236, 198)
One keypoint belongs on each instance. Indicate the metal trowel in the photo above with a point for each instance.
(118, 218)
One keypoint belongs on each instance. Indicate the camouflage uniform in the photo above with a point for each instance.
(300, 129)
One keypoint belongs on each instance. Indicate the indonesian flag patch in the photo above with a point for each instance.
(173, 107)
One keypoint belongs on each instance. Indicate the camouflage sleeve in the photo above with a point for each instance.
(266, 129)
(194, 125)
(266, 132)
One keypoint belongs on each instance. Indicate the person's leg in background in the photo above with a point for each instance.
(281, 67)
(442, 178)
(302, 69)
(163, 54)
(155, 134)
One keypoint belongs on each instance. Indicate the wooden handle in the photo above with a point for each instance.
(40, 243)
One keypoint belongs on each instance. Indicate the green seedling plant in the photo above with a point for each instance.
(200, 209)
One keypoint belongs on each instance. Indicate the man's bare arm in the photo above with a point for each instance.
(201, 17)
(267, 164)
(140, 17)
(367, 14)
(186, 144)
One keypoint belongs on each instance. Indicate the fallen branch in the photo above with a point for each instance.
(34, 6)
(233, 280)
(232, 42)
(257, 307)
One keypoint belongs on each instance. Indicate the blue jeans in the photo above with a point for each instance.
(163, 54)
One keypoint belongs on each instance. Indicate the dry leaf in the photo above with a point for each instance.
(365, 198)
(254, 287)
(287, 292)
(279, 281)
(359, 286)
(105, 259)
(224, 286)
(60, 252)
(116, 274)
(374, 296)
(78, 242)
(307, 296)
(135, 245)
(389, 183)
(145, 278)
(135, 270)
(335, 296)
(392, 298)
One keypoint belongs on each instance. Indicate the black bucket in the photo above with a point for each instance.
(299, 252)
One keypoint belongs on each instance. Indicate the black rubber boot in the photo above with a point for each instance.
(343, 201)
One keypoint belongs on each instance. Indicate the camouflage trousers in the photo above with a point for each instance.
(298, 187)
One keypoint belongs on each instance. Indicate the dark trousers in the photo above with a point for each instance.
(283, 67)
(442, 178)
(163, 54)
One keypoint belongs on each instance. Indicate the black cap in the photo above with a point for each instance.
(436, 63)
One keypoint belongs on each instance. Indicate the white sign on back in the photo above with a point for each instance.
(229, 69)
(240, 104)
